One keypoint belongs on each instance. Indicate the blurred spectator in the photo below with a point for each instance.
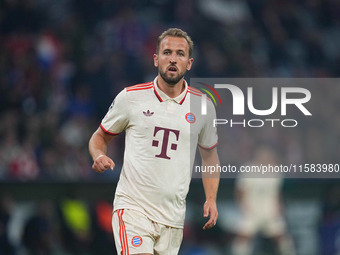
(39, 234)
(330, 222)
(76, 225)
(261, 208)
(103, 242)
(6, 205)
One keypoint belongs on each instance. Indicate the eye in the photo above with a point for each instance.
(166, 53)
(181, 54)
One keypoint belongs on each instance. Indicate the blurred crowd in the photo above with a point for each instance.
(62, 63)
(64, 227)
(71, 223)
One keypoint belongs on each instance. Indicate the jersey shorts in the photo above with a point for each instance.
(134, 233)
(267, 225)
(161, 138)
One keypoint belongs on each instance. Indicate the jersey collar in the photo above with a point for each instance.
(162, 97)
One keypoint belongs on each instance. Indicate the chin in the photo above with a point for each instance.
(172, 81)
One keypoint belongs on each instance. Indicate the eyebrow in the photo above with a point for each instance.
(179, 50)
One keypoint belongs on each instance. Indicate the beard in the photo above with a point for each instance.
(171, 80)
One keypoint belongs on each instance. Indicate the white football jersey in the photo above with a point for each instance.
(261, 195)
(162, 134)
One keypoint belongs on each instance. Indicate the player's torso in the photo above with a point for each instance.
(161, 140)
(165, 131)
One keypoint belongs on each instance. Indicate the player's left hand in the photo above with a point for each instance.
(210, 209)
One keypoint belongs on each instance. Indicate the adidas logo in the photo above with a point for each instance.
(148, 113)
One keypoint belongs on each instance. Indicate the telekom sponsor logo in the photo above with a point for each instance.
(165, 141)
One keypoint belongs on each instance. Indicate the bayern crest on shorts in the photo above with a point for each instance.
(190, 117)
(136, 241)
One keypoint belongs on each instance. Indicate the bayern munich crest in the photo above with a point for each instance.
(136, 241)
(190, 117)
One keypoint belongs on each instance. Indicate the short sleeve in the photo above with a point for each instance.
(207, 138)
(117, 118)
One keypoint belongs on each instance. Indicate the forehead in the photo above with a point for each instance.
(174, 43)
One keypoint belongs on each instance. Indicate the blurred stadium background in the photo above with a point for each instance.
(61, 64)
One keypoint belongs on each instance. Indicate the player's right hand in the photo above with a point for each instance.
(101, 163)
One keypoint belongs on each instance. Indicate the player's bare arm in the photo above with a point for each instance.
(210, 184)
(98, 148)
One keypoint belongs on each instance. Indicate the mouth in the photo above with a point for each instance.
(172, 69)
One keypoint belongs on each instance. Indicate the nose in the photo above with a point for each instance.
(172, 59)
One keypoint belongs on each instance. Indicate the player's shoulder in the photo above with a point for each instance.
(196, 95)
(142, 87)
(133, 92)
(195, 92)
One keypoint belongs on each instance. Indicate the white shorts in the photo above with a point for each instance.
(268, 225)
(135, 233)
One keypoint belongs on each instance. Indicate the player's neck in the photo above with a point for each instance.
(171, 91)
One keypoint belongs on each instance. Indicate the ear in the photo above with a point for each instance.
(155, 60)
(189, 65)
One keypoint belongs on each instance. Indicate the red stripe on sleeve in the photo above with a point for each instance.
(107, 132)
(140, 88)
(209, 148)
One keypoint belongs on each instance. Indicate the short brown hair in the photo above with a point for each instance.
(176, 32)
